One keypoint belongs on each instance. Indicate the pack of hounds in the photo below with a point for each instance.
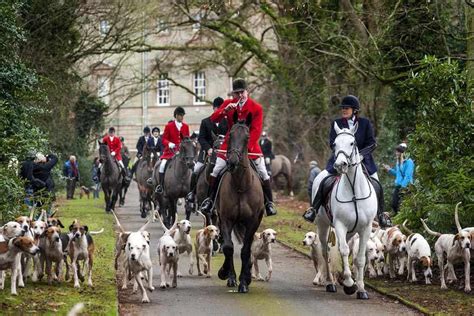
(30, 248)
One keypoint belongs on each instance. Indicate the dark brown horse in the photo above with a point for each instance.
(239, 205)
(110, 177)
(144, 171)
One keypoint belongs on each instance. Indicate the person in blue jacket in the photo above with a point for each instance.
(403, 172)
(366, 143)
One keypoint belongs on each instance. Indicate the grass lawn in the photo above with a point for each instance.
(60, 298)
(291, 229)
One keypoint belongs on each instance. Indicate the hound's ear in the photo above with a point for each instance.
(456, 238)
(52, 215)
(336, 128)
(86, 228)
(248, 120)
(17, 242)
(354, 128)
(235, 117)
(60, 224)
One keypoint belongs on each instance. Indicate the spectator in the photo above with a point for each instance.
(96, 177)
(313, 172)
(32, 184)
(71, 172)
(403, 172)
(42, 170)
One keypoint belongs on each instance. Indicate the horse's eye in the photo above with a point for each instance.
(352, 144)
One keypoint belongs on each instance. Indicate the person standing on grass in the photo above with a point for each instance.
(71, 172)
(403, 173)
(96, 177)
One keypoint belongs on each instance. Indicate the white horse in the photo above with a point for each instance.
(353, 207)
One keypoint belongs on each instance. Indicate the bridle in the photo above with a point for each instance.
(350, 156)
(236, 151)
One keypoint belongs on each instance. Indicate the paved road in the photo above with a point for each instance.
(290, 292)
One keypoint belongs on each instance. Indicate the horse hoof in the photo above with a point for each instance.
(231, 283)
(331, 288)
(349, 290)
(243, 288)
(362, 296)
(222, 274)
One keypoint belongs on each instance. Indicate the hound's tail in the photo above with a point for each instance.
(429, 230)
(118, 222)
(456, 218)
(405, 227)
(204, 217)
(97, 232)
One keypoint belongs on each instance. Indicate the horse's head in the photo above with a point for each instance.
(345, 148)
(187, 151)
(104, 151)
(238, 140)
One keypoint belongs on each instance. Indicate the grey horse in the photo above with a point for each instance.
(177, 181)
(281, 166)
(110, 177)
(144, 171)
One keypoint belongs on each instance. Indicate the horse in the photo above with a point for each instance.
(281, 166)
(239, 205)
(353, 206)
(177, 181)
(143, 172)
(125, 182)
(110, 177)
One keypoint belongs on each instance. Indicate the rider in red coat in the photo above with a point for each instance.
(243, 106)
(174, 132)
(115, 145)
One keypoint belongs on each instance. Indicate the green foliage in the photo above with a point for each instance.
(441, 146)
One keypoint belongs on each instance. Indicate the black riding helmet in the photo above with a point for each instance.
(179, 111)
(350, 101)
(146, 130)
(112, 129)
(155, 129)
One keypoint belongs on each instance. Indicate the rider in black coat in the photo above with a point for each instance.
(142, 140)
(266, 146)
(206, 141)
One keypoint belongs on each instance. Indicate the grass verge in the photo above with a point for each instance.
(41, 298)
(428, 299)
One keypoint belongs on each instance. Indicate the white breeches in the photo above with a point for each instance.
(260, 163)
(198, 166)
(162, 165)
(120, 162)
(268, 160)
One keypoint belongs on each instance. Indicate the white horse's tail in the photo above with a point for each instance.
(429, 230)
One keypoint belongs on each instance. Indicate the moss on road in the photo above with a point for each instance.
(60, 298)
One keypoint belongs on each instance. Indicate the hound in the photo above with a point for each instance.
(84, 191)
(11, 230)
(311, 239)
(395, 246)
(52, 252)
(81, 247)
(418, 249)
(203, 246)
(10, 257)
(470, 230)
(53, 221)
(457, 247)
(260, 250)
(376, 266)
(182, 238)
(371, 254)
(168, 255)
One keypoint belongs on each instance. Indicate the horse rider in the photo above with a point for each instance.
(115, 147)
(365, 142)
(142, 140)
(154, 142)
(243, 106)
(174, 132)
(206, 140)
(266, 146)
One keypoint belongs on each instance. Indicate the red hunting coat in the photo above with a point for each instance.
(250, 107)
(115, 145)
(172, 135)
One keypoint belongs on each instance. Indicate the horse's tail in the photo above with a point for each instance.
(239, 231)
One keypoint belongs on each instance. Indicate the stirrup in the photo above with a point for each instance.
(310, 214)
(190, 197)
(149, 181)
(207, 206)
(159, 189)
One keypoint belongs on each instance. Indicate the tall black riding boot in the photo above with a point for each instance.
(268, 197)
(310, 214)
(208, 203)
(159, 187)
(192, 187)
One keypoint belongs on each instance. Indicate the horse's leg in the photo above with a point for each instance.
(361, 259)
(323, 233)
(341, 233)
(107, 200)
(227, 269)
(245, 277)
(289, 182)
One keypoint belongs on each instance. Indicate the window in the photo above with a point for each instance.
(163, 90)
(104, 27)
(199, 85)
(197, 25)
(162, 27)
(103, 88)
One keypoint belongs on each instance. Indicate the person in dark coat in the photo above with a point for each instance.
(71, 172)
(366, 143)
(266, 146)
(154, 143)
(142, 140)
(96, 177)
(207, 131)
(32, 184)
(42, 170)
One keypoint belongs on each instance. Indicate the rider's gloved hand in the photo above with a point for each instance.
(209, 151)
(113, 154)
(171, 145)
